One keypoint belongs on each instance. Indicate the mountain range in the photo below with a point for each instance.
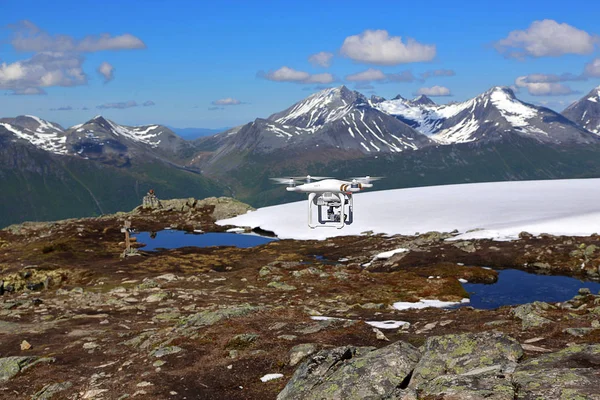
(99, 166)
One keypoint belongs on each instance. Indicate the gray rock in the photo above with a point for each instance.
(529, 314)
(299, 352)
(11, 366)
(490, 385)
(211, 317)
(165, 351)
(352, 373)
(571, 373)
(464, 353)
(584, 291)
(242, 341)
(48, 391)
(281, 286)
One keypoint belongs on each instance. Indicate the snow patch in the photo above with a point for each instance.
(387, 254)
(425, 303)
(270, 377)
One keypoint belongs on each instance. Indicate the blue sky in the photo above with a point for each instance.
(216, 64)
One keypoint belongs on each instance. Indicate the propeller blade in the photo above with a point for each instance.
(283, 181)
(314, 178)
(366, 179)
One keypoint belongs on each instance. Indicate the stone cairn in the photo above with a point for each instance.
(151, 201)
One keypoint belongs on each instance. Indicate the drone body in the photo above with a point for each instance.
(332, 198)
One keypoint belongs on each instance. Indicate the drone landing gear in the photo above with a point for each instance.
(337, 207)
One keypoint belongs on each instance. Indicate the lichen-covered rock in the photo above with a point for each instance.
(281, 286)
(352, 373)
(488, 383)
(242, 341)
(572, 373)
(48, 391)
(11, 366)
(211, 317)
(299, 352)
(465, 353)
(529, 314)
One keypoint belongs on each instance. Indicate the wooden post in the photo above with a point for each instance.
(127, 241)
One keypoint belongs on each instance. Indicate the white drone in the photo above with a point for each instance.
(333, 195)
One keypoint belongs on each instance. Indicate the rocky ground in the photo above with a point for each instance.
(78, 321)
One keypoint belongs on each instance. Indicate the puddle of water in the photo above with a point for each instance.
(516, 287)
(171, 239)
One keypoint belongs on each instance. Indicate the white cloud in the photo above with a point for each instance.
(42, 70)
(286, 74)
(541, 85)
(120, 105)
(367, 76)
(546, 38)
(434, 91)
(592, 69)
(377, 47)
(29, 37)
(437, 72)
(226, 102)
(321, 59)
(107, 71)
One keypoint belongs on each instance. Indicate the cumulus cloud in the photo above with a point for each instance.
(546, 38)
(592, 69)
(321, 59)
(543, 85)
(57, 59)
(437, 72)
(107, 71)
(119, 105)
(148, 103)
(378, 47)
(28, 37)
(286, 74)
(367, 76)
(40, 71)
(226, 102)
(434, 91)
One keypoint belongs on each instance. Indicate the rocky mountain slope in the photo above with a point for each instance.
(47, 172)
(586, 111)
(493, 116)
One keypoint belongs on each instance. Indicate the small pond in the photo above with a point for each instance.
(172, 239)
(518, 287)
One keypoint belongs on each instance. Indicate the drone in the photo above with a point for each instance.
(332, 197)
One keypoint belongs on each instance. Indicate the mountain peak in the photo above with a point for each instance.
(398, 97)
(501, 90)
(422, 100)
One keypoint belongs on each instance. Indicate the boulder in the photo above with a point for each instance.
(11, 366)
(530, 314)
(352, 373)
(571, 373)
(468, 354)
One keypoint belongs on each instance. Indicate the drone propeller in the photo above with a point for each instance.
(284, 181)
(366, 179)
(316, 178)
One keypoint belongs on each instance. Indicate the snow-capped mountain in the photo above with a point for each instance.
(96, 136)
(335, 118)
(586, 111)
(492, 116)
(42, 134)
(99, 132)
